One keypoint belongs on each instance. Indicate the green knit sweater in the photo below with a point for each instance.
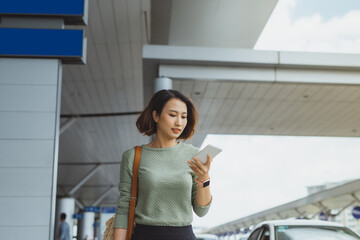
(166, 187)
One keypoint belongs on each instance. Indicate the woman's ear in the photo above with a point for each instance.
(155, 116)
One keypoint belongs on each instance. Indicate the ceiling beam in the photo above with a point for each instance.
(103, 195)
(79, 204)
(90, 115)
(67, 124)
(275, 74)
(84, 180)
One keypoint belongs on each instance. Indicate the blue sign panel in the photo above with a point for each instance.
(45, 7)
(356, 212)
(323, 216)
(92, 209)
(78, 216)
(54, 43)
(108, 209)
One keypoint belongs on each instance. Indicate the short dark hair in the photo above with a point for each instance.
(146, 124)
(63, 216)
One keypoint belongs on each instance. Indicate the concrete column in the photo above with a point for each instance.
(30, 91)
(67, 206)
(30, 97)
(86, 226)
(162, 83)
(105, 213)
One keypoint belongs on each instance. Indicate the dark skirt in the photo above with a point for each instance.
(145, 232)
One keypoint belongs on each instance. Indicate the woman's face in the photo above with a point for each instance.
(172, 120)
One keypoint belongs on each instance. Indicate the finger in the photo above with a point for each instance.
(198, 162)
(209, 160)
(195, 170)
(198, 172)
(193, 165)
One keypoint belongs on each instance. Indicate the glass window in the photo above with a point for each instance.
(255, 234)
(265, 234)
(314, 232)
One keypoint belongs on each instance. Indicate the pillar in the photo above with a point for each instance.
(67, 206)
(105, 213)
(162, 83)
(30, 97)
(86, 226)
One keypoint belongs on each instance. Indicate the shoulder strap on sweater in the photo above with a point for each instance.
(135, 171)
(133, 196)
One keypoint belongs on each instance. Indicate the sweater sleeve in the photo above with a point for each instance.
(199, 210)
(122, 210)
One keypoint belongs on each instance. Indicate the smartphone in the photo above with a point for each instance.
(209, 149)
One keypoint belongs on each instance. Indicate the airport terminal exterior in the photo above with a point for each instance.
(74, 75)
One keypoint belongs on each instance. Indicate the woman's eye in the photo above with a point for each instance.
(183, 117)
(172, 115)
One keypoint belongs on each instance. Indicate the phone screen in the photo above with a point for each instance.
(209, 149)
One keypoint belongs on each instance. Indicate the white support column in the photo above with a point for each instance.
(105, 213)
(67, 206)
(162, 83)
(86, 228)
(30, 98)
(30, 91)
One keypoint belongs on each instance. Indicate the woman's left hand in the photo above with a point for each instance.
(201, 170)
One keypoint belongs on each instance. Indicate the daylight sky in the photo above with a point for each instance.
(254, 173)
(313, 25)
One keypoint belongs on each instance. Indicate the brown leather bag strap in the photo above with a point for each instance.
(133, 195)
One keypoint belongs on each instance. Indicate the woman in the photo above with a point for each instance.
(170, 183)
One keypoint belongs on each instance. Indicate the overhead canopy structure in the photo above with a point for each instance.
(101, 100)
(336, 198)
(244, 91)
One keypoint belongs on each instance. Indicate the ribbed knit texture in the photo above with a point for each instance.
(166, 187)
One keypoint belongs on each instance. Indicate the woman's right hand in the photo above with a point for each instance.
(120, 233)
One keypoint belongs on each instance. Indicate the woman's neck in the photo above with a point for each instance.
(162, 143)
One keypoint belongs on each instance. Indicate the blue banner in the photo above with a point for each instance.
(92, 209)
(356, 212)
(42, 7)
(78, 216)
(108, 209)
(55, 43)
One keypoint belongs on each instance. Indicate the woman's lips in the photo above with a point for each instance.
(175, 130)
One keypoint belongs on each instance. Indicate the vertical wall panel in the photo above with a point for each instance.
(13, 232)
(25, 211)
(28, 71)
(33, 98)
(29, 127)
(26, 153)
(22, 181)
